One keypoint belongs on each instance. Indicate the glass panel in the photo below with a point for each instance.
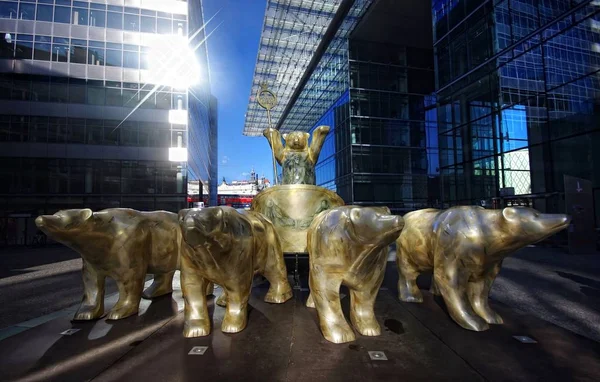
(132, 23)
(114, 97)
(95, 95)
(165, 26)
(148, 24)
(80, 16)
(60, 53)
(42, 51)
(62, 15)
(44, 13)
(24, 50)
(78, 55)
(131, 60)
(96, 56)
(115, 20)
(97, 18)
(27, 11)
(113, 58)
(8, 10)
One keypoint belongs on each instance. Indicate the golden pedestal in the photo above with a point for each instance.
(291, 208)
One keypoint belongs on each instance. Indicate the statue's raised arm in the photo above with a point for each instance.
(318, 137)
(274, 138)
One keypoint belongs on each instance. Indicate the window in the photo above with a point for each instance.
(95, 93)
(148, 24)
(80, 16)
(76, 130)
(27, 11)
(8, 10)
(132, 23)
(24, 47)
(40, 90)
(131, 60)
(44, 13)
(62, 15)
(165, 26)
(114, 97)
(115, 20)
(96, 56)
(60, 53)
(79, 51)
(42, 49)
(59, 90)
(113, 58)
(57, 130)
(97, 18)
(77, 91)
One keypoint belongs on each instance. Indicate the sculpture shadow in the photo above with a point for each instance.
(590, 287)
(16, 261)
(99, 343)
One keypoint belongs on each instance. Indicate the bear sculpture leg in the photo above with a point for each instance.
(453, 283)
(275, 272)
(130, 294)
(92, 306)
(194, 288)
(236, 312)
(325, 292)
(433, 288)
(408, 291)
(362, 312)
(310, 302)
(161, 285)
(479, 292)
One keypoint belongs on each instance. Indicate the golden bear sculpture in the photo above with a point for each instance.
(122, 244)
(465, 246)
(297, 158)
(228, 247)
(348, 245)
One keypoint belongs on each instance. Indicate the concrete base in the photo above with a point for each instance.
(283, 343)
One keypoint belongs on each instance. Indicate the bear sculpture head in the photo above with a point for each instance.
(528, 226)
(65, 225)
(371, 225)
(213, 227)
(297, 140)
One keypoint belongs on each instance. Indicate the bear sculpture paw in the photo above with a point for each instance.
(234, 323)
(278, 295)
(122, 312)
(86, 313)
(196, 328)
(338, 334)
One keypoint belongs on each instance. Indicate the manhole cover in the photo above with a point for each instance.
(377, 356)
(198, 350)
(70, 332)
(525, 339)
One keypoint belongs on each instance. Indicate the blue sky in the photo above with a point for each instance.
(232, 50)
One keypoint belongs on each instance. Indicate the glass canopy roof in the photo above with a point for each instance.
(292, 31)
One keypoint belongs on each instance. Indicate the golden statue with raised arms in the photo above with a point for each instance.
(297, 158)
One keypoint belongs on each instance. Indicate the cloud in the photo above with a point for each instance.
(225, 159)
(245, 173)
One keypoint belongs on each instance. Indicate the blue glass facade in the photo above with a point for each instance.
(85, 121)
(518, 98)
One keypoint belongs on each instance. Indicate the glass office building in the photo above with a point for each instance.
(373, 86)
(85, 121)
(518, 98)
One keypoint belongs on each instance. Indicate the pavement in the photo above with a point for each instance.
(38, 281)
(543, 294)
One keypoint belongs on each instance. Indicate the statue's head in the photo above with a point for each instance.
(296, 140)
